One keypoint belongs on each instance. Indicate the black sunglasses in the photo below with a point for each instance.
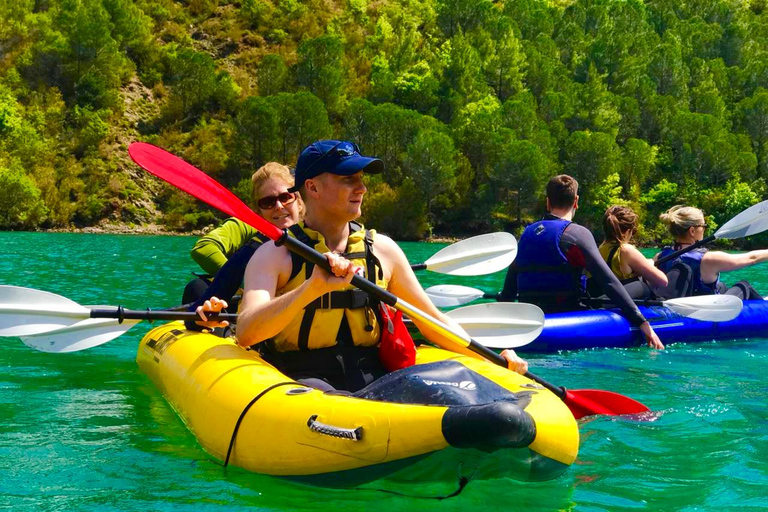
(269, 202)
(348, 150)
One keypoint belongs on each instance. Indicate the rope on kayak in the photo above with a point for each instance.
(245, 410)
(353, 434)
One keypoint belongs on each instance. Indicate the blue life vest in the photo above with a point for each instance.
(693, 260)
(544, 275)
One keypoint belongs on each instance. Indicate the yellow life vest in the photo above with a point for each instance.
(321, 324)
(611, 253)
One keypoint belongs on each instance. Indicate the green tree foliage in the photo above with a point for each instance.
(519, 172)
(471, 104)
(431, 162)
(302, 119)
(272, 75)
(20, 203)
(319, 69)
(461, 15)
(256, 130)
(752, 116)
(196, 86)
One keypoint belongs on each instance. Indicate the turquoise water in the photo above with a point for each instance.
(88, 431)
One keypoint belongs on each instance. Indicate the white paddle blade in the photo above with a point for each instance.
(449, 295)
(707, 308)
(751, 221)
(85, 334)
(501, 324)
(476, 256)
(24, 311)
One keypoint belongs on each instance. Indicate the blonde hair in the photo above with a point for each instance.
(268, 171)
(679, 219)
(619, 224)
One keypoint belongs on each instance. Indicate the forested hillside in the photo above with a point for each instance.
(472, 104)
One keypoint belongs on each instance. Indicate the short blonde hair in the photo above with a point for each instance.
(679, 219)
(268, 171)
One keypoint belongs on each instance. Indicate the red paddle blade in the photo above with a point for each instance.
(192, 180)
(588, 402)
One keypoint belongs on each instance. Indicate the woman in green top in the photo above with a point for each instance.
(212, 252)
(636, 272)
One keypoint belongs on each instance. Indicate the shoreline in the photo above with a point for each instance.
(159, 230)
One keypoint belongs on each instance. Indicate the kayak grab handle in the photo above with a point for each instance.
(353, 434)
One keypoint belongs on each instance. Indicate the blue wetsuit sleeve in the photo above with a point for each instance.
(576, 236)
(509, 291)
(227, 281)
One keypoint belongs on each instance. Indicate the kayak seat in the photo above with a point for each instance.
(680, 282)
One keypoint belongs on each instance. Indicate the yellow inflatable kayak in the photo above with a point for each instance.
(428, 421)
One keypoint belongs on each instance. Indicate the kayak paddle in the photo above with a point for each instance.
(450, 295)
(476, 256)
(186, 177)
(70, 327)
(751, 221)
(706, 308)
(494, 327)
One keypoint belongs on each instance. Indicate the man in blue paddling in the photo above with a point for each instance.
(312, 324)
(552, 257)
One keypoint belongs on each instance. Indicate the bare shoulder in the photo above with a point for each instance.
(629, 250)
(271, 260)
(391, 256)
(385, 244)
(716, 256)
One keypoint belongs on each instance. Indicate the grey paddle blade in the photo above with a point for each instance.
(85, 334)
(501, 325)
(476, 256)
(449, 295)
(24, 311)
(751, 221)
(707, 308)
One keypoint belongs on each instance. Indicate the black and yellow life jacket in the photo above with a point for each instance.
(342, 317)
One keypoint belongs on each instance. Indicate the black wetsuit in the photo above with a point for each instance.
(579, 247)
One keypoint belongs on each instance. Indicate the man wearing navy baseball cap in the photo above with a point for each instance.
(335, 157)
(312, 324)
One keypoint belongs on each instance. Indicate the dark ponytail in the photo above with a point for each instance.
(619, 224)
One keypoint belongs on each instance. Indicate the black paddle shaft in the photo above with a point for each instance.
(639, 302)
(130, 314)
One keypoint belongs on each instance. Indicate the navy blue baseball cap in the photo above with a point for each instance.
(333, 156)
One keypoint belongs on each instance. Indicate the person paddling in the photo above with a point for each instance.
(636, 273)
(697, 272)
(236, 240)
(275, 203)
(312, 324)
(553, 254)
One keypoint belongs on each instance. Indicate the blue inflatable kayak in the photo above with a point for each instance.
(607, 328)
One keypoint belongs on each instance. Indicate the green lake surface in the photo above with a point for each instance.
(88, 431)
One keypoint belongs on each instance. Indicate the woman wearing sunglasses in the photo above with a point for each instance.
(227, 249)
(697, 272)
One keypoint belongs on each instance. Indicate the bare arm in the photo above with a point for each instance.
(715, 262)
(263, 314)
(642, 266)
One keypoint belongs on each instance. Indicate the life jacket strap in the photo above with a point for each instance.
(346, 299)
